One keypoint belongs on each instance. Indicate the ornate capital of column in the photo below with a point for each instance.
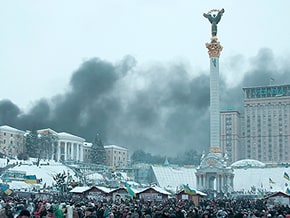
(214, 49)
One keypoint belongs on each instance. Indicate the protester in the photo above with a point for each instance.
(24, 214)
(65, 207)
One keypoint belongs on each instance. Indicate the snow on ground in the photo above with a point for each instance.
(44, 172)
(168, 177)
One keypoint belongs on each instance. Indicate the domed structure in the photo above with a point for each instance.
(246, 163)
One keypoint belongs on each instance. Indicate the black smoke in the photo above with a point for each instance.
(161, 109)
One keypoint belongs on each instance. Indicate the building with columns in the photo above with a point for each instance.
(69, 147)
(214, 174)
(66, 147)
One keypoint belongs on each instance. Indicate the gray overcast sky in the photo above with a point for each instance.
(43, 42)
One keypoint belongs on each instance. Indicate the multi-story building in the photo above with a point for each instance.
(116, 156)
(231, 135)
(263, 131)
(86, 151)
(11, 141)
(267, 123)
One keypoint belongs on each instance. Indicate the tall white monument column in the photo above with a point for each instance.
(214, 49)
(212, 166)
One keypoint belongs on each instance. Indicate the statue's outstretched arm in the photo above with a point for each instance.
(205, 15)
(209, 17)
(219, 15)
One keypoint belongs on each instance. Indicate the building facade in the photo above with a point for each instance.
(262, 132)
(11, 141)
(86, 152)
(267, 123)
(116, 156)
(65, 146)
(231, 135)
(69, 147)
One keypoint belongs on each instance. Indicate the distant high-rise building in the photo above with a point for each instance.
(262, 132)
(267, 123)
(231, 135)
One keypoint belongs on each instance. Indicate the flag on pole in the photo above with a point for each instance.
(286, 176)
(271, 181)
(260, 192)
(253, 188)
(130, 190)
(188, 190)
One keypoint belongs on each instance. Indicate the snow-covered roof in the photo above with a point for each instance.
(172, 177)
(11, 129)
(160, 190)
(248, 163)
(104, 189)
(245, 178)
(80, 189)
(68, 136)
(200, 193)
(115, 147)
(47, 130)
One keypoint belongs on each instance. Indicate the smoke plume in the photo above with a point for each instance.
(161, 109)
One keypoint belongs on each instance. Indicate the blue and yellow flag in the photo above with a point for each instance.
(286, 176)
(260, 192)
(8, 191)
(30, 179)
(188, 190)
(130, 190)
(271, 181)
(5, 188)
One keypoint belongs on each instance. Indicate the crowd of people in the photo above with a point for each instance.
(171, 208)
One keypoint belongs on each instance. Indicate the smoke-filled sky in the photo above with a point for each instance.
(137, 72)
